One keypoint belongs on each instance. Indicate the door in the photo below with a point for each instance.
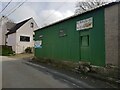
(85, 48)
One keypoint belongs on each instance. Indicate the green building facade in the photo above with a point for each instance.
(78, 38)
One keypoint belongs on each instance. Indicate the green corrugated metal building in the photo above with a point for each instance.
(92, 36)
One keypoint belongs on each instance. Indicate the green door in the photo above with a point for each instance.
(85, 48)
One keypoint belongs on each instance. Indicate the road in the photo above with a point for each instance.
(16, 74)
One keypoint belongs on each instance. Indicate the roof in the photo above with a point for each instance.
(17, 26)
(104, 5)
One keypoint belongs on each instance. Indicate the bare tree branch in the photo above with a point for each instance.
(84, 6)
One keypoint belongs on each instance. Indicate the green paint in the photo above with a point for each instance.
(71, 47)
(85, 48)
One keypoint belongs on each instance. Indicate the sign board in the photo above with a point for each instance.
(38, 44)
(84, 24)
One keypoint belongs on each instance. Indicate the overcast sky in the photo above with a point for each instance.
(43, 11)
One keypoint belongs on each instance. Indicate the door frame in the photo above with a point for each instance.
(83, 33)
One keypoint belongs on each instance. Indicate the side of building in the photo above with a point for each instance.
(21, 35)
(26, 31)
(92, 36)
(75, 45)
(112, 34)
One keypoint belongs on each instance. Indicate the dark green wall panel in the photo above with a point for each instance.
(69, 47)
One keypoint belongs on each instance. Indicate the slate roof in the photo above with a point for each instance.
(17, 26)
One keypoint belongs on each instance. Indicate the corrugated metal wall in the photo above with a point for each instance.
(69, 47)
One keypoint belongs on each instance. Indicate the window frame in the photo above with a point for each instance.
(24, 38)
(31, 24)
(85, 43)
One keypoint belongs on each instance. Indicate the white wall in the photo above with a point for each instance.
(25, 30)
(11, 41)
(3, 31)
(0, 34)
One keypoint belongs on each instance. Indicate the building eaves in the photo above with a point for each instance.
(17, 26)
(101, 6)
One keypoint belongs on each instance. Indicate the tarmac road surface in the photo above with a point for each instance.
(16, 74)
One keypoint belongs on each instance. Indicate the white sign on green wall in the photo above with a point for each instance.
(38, 44)
(84, 24)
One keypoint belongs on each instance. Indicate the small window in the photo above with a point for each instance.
(32, 25)
(25, 38)
(85, 40)
(62, 33)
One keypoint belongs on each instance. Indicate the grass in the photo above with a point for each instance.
(21, 56)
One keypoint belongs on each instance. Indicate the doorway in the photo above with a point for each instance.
(85, 48)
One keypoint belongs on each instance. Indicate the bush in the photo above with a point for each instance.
(6, 50)
(28, 50)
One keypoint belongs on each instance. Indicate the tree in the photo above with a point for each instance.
(5, 25)
(5, 19)
(85, 6)
(7, 22)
